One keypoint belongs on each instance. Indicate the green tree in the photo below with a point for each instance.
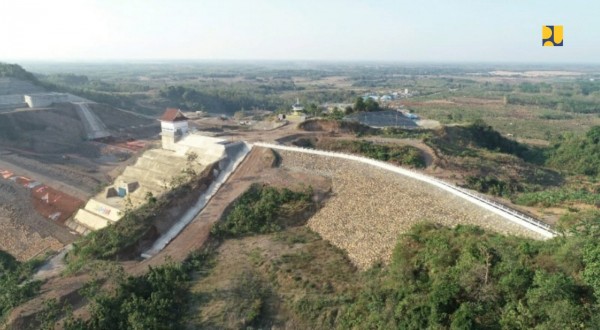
(313, 109)
(591, 273)
(359, 105)
(371, 105)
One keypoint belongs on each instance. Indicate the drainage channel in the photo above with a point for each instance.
(233, 162)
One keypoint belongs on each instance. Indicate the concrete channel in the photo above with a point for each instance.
(234, 157)
(94, 127)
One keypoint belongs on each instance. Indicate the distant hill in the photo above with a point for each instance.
(15, 82)
(16, 71)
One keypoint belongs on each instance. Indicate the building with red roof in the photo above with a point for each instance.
(173, 126)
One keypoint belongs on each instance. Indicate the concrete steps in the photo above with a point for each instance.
(148, 184)
(160, 165)
(143, 175)
(91, 220)
(160, 155)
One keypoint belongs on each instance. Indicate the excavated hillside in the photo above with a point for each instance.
(59, 129)
(42, 131)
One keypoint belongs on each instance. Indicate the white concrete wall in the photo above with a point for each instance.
(172, 127)
(86, 221)
(106, 211)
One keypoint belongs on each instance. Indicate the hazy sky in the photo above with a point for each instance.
(394, 30)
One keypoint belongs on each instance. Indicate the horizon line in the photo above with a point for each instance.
(328, 61)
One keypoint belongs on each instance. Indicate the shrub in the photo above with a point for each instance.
(393, 153)
(260, 210)
(14, 287)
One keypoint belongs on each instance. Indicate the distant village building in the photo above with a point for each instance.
(45, 99)
(374, 97)
(298, 113)
(297, 108)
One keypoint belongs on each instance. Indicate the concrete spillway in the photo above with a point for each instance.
(153, 171)
(235, 154)
(94, 127)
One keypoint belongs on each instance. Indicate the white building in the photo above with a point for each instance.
(173, 126)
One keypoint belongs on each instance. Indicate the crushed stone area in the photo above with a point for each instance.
(371, 207)
(25, 233)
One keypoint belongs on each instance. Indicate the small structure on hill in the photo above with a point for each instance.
(173, 126)
(298, 112)
(297, 108)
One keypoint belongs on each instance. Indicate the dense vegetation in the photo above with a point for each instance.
(108, 242)
(400, 133)
(369, 105)
(263, 209)
(439, 278)
(492, 185)
(558, 196)
(154, 300)
(220, 100)
(15, 288)
(464, 278)
(577, 154)
(393, 153)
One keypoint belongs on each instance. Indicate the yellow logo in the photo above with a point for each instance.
(552, 35)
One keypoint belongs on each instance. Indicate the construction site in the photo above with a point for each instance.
(56, 151)
(73, 168)
(105, 161)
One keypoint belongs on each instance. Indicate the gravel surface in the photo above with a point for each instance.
(371, 207)
(24, 233)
